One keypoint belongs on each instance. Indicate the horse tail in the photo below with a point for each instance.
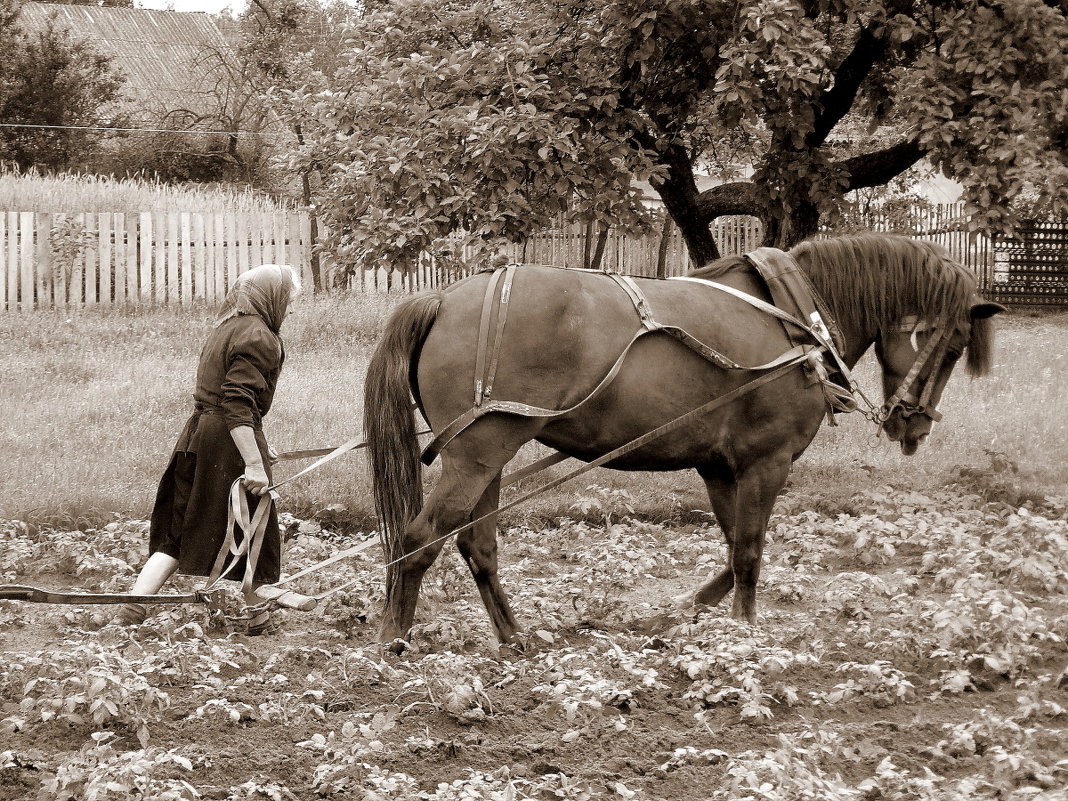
(388, 421)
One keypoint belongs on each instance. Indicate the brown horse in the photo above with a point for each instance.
(565, 330)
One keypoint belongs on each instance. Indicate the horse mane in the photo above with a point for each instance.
(873, 280)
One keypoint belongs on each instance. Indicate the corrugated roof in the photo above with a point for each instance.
(164, 55)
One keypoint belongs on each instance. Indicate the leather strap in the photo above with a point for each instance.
(903, 395)
(252, 530)
(502, 318)
(649, 325)
(482, 345)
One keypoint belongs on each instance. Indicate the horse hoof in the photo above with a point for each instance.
(512, 647)
(397, 646)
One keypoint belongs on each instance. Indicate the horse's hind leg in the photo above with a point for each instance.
(478, 546)
(470, 464)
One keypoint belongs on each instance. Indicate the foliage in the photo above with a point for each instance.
(964, 624)
(100, 771)
(84, 685)
(50, 78)
(482, 120)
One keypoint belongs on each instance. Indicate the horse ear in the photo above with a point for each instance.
(982, 309)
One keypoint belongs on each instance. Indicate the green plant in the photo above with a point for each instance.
(99, 771)
(86, 684)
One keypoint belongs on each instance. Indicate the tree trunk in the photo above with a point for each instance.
(681, 199)
(598, 253)
(785, 227)
(313, 220)
(661, 251)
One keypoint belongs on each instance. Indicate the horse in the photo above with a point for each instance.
(564, 335)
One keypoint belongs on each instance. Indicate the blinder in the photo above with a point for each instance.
(904, 399)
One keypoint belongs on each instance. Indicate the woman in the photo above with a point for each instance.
(223, 440)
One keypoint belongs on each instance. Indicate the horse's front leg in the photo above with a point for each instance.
(756, 491)
(478, 546)
(722, 496)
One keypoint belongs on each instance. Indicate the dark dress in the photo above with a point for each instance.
(236, 379)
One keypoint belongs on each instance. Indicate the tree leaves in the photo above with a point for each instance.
(479, 122)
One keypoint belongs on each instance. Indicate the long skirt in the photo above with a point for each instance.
(192, 503)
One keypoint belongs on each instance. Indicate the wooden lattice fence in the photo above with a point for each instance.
(1031, 269)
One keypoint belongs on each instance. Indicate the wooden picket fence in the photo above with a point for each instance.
(120, 259)
(571, 246)
(60, 260)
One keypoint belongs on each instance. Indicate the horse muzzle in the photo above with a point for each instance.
(909, 425)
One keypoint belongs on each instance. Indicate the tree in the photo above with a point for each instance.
(56, 87)
(491, 117)
(279, 43)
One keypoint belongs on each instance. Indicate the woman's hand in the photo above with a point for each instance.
(255, 476)
(256, 479)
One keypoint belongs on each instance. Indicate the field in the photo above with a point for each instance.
(911, 641)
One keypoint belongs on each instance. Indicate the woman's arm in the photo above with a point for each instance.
(255, 475)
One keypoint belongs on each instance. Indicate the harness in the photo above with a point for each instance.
(934, 350)
(810, 329)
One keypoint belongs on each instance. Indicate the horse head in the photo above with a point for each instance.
(917, 356)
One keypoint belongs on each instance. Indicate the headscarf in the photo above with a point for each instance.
(265, 291)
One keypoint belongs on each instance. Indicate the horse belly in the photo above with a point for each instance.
(664, 381)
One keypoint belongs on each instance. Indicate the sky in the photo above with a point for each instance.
(210, 6)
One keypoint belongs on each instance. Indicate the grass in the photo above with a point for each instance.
(67, 193)
(93, 402)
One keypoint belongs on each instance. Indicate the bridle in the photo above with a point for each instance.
(934, 351)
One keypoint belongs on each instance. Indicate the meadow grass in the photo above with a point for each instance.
(69, 193)
(93, 401)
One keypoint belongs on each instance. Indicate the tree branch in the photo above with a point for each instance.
(738, 197)
(880, 166)
(836, 102)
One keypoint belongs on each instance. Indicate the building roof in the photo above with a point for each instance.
(165, 56)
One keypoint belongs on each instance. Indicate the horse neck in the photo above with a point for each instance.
(857, 335)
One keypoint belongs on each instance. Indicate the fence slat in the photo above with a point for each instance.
(144, 242)
(200, 260)
(4, 247)
(186, 251)
(233, 266)
(104, 251)
(13, 260)
(118, 255)
(219, 255)
(91, 255)
(174, 279)
(26, 223)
